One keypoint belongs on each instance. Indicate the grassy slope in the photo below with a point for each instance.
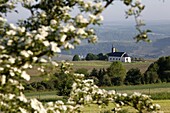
(105, 64)
(90, 65)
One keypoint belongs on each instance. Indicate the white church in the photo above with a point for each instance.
(118, 56)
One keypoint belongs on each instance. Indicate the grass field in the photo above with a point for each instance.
(89, 65)
(105, 64)
(151, 89)
(157, 91)
(165, 107)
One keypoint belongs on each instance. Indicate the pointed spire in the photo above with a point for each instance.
(113, 49)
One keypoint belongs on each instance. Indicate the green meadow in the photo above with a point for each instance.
(160, 93)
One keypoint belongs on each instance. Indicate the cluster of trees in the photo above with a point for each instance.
(116, 74)
(60, 82)
(91, 56)
(158, 71)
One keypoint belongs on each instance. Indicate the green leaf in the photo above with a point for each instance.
(127, 2)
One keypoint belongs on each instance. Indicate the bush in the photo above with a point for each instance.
(76, 58)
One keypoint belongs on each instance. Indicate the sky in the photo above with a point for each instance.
(154, 10)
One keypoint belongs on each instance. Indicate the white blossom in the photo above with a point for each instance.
(2, 47)
(23, 110)
(112, 92)
(26, 66)
(77, 40)
(43, 14)
(81, 19)
(39, 37)
(12, 26)
(25, 75)
(14, 82)
(46, 43)
(54, 63)
(3, 19)
(25, 53)
(11, 60)
(124, 94)
(65, 8)
(92, 17)
(35, 59)
(53, 22)
(98, 5)
(35, 104)
(11, 72)
(43, 60)
(64, 29)
(1, 68)
(63, 107)
(30, 52)
(21, 29)
(63, 37)
(11, 96)
(3, 79)
(9, 43)
(11, 32)
(71, 28)
(59, 102)
(157, 106)
(44, 34)
(68, 45)
(40, 69)
(22, 97)
(101, 18)
(81, 31)
(54, 47)
(151, 106)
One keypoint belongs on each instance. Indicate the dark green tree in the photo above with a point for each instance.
(164, 68)
(117, 73)
(133, 77)
(94, 73)
(76, 58)
(151, 75)
(159, 70)
(64, 84)
(101, 56)
(106, 81)
(91, 56)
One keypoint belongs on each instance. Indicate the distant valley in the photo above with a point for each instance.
(121, 36)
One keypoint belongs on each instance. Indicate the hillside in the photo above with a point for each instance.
(121, 36)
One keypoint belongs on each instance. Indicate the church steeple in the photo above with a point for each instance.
(113, 49)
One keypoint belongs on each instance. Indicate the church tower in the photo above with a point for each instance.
(113, 49)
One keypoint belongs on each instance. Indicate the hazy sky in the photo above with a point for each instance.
(154, 10)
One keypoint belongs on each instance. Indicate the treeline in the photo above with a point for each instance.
(116, 74)
(90, 56)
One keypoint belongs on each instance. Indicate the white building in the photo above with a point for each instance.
(118, 56)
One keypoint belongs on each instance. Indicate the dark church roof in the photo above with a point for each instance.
(118, 54)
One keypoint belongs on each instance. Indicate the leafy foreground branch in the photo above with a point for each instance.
(50, 29)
